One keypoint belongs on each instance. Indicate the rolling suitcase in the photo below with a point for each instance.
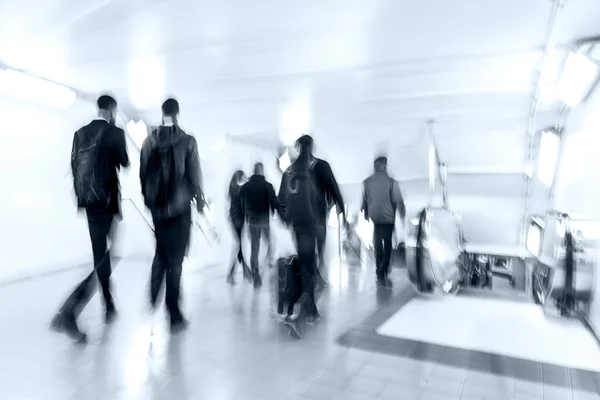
(289, 284)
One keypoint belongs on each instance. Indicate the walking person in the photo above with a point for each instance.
(301, 187)
(381, 200)
(98, 152)
(236, 216)
(171, 182)
(258, 202)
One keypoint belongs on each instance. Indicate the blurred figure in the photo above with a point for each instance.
(381, 199)
(171, 181)
(98, 152)
(258, 201)
(236, 215)
(300, 195)
(329, 195)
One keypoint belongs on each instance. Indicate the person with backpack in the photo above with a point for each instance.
(258, 201)
(98, 152)
(171, 182)
(300, 195)
(381, 199)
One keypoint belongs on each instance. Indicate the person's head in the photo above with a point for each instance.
(107, 108)
(236, 180)
(170, 110)
(259, 169)
(380, 164)
(305, 144)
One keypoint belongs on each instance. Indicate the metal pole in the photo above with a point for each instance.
(433, 162)
(444, 178)
(339, 219)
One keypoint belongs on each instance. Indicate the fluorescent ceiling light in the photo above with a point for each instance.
(548, 157)
(539, 221)
(17, 84)
(534, 236)
(577, 78)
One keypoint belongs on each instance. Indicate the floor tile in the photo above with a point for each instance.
(234, 349)
(393, 391)
(368, 386)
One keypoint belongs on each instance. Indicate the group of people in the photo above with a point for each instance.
(171, 184)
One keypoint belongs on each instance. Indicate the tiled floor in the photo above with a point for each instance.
(234, 349)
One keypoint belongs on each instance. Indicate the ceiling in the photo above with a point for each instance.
(361, 76)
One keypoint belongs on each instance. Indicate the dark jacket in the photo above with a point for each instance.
(236, 213)
(326, 185)
(187, 175)
(381, 198)
(114, 152)
(258, 200)
(330, 193)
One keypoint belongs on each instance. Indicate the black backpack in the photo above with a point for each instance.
(301, 196)
(160, 178)
(90, 171)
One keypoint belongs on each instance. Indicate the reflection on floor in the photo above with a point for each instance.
(233, 349)
(502, 327)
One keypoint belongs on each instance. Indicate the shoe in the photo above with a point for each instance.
(294, 325)
(381, 282)
(257, 281)
(68, 326)
(388, 283)
(314, 319)
(111, 315)
(320, 280)
(57, 323)
(231, 279)
(179, 325)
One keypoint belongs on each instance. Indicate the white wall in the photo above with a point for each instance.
(40, 228)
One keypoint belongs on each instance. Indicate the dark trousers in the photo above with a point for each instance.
(237, 227)
(172, 238)
(305, 242)
(257, 231)
(99, 225)
(321, 239)
(382, 242)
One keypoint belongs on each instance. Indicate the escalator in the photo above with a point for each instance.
(439, 251)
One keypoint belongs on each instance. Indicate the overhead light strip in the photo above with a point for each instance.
(20, 85)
